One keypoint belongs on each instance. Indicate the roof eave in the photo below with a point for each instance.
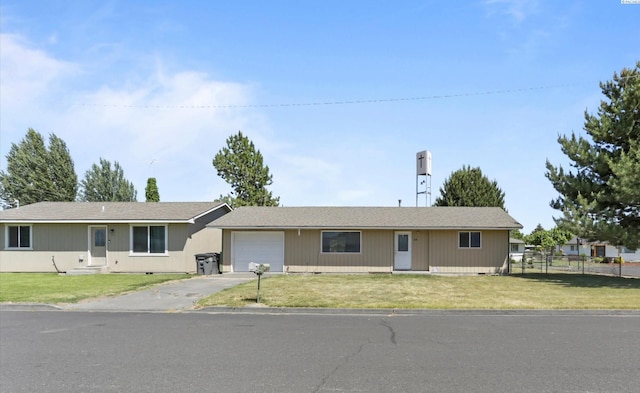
(351, 227)
(171, 221)
(228, 208)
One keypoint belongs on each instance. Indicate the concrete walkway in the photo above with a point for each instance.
(166, 297)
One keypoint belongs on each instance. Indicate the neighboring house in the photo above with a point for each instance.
(576, 246)
(516, 249)
(115, 236)
(367, 239)
(629, 255)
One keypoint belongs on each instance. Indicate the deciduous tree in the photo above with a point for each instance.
(241, 165)
(548, 240)
(37, 173)
(103, 184)
(600, 200)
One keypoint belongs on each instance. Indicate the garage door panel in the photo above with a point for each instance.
(258, 247)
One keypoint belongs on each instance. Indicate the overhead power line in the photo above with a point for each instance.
(343, 102)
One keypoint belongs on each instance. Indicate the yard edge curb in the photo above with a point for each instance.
(29, 307)
(410, 312)
(333, 311)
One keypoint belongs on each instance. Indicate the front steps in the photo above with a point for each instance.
(84, 270)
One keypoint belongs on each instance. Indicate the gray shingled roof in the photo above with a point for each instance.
(368, 217)
(108, 211)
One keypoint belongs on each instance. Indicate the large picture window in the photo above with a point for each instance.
(341, 242)
(149, 239)
(469, 239)
(18, 236)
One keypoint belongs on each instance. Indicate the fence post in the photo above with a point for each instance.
(620, 264)
(546, 264)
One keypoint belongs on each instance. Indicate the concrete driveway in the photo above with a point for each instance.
(167, 297)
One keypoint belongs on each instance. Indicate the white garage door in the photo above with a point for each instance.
(258, 247)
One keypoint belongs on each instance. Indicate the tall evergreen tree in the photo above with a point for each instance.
(469, 187)
(103, 184)
(151, 191)
(36, 173)
(241, 165)
(601, 199)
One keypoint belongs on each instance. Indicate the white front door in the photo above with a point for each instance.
(402, 258)
(97, 246)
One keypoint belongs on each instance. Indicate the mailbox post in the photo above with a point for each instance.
(259, 269)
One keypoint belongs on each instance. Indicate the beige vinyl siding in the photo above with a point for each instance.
(446, 257)
(226, 250)
(420, 251)
(303, 253)
(434, 251)
(121, 259)
(68, 245)
(60, 237)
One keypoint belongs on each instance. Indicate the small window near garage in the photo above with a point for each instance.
(469, 239)
(19, 236)
(149, 239)
(515, 248)
(339, 242)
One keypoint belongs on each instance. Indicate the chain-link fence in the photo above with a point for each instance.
(536, 262)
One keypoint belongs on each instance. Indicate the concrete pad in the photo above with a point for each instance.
(167, 297)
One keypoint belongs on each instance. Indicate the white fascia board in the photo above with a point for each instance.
(96, 221)
(209, 211)
(397, 228)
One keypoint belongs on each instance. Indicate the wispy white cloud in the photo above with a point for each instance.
(150, 125)
(517, 10)
(28, 74)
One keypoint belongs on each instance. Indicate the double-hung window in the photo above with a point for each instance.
(469, 239)
(18, 237)
(149, 239)
(338, 242)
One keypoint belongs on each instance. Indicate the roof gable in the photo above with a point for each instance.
(368, 217)
(110, 211)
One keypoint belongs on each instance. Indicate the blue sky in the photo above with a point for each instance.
(159, 85)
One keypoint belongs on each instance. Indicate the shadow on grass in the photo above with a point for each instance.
(583, 281)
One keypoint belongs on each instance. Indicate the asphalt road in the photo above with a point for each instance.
(70, 352)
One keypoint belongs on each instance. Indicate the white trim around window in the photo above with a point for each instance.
(470, 240)
(340, 242)
(18, 237)
(149, 240)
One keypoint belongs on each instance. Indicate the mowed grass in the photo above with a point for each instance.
(53, 288)
(529, 291)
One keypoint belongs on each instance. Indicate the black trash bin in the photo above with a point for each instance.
(217, 261)
(206, 263)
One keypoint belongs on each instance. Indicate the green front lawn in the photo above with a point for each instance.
(53, 288)
(529, 291)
